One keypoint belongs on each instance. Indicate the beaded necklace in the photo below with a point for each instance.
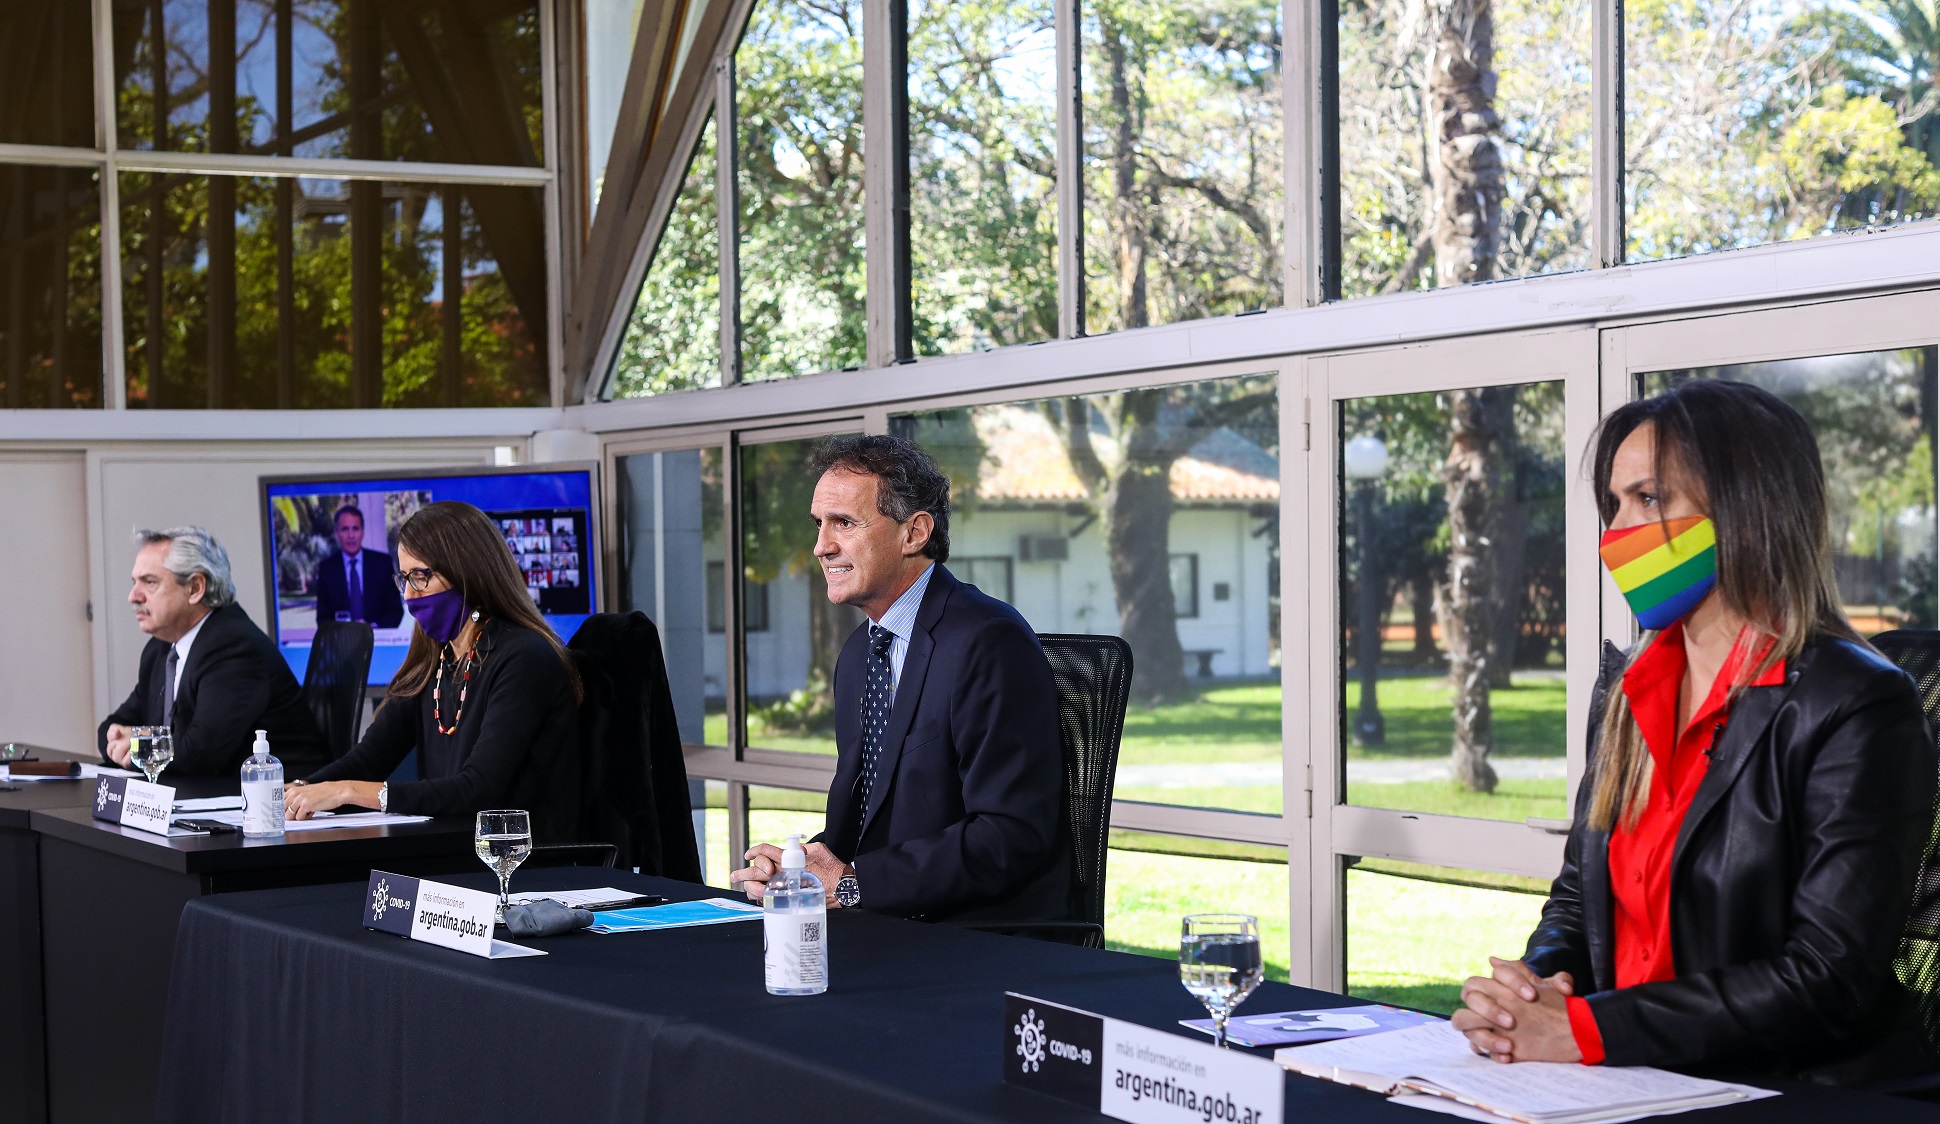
(464, 688)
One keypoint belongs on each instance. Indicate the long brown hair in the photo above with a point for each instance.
(464, 546)
(1756, 463)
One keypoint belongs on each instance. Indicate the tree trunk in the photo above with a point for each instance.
(1422, 594)
(1128, 218)
(1473, 480)
(1465, 165)
(1508, 538)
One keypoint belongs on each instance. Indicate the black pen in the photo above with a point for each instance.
(621, 903)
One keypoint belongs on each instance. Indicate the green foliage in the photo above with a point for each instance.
(673, 339)
(1846, 147)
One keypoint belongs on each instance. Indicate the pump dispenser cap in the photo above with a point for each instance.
(792, 856)
(261, 747)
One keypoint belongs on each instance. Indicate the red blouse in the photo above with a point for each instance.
(1640, 856)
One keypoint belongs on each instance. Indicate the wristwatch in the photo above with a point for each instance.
(847, 893)
(384, 797)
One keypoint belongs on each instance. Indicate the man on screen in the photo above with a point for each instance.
(949, 800)
(355, 584)
(208, 672)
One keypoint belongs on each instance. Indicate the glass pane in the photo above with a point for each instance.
(1873, 414)
(983, 189)
(1507, 192)
(1414, 932)
(47, 74)
(792, 654)
(1150, 885)
(1183, 144)
(457, 82)
(1063, 487)
(608, 30)
(773, 815)
(1462, 680)
(673, 341)
(50, 287)
(1775, 119)
(670, 508)
(261, 293)
(798, 83)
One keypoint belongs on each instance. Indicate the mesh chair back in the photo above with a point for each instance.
(1918, 963)
(1094, 679)
(333, 682)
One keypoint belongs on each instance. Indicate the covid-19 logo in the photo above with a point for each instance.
(380, 899)
(1030, 1040)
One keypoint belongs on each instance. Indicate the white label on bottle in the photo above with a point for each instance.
(796, 949)
(262, 808)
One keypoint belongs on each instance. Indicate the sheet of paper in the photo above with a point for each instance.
(325, 821)
(506, 950)
(676, 915)
(1439, 1055)
(1467, 1112)
(87, 772)
(1298, 1028)
(571, 897)
(210, 804)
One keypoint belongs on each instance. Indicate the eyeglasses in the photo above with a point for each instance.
(418, 579)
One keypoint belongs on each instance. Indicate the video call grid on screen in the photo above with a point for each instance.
(545, 513)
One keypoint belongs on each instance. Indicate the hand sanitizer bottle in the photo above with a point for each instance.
(795, 927)
(262, 791)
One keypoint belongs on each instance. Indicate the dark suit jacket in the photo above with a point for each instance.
(233, 684)
(968, 817)
(383, 605)
(1791, 880)
(516, 745)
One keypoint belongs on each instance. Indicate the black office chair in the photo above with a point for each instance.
(333, 682)
(1094, 681)
(1917, 652)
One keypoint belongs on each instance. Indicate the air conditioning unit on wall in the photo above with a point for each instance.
(1043, 548)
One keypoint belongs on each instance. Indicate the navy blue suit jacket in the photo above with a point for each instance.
(969, 810)
(383, 605)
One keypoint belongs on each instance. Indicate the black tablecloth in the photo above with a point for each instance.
(282, 1007)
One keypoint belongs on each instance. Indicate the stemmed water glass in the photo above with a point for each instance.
(1219, 961)
(151, 748)
(503, 840)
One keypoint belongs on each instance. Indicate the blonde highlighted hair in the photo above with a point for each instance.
(1755, 462)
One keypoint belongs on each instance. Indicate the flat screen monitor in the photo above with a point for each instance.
(547, 513)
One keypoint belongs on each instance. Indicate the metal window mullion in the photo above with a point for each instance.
(885, 180)
(1069, 30)
(114, 379)
(733, 565)
(1305, 194)
(549, 125)
(727, 221)
(1606, 133)
(243, 164)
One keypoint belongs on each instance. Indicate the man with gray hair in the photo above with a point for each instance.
(208, 672)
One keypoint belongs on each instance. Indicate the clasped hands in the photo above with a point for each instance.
(1514, 1015)
(764, 862)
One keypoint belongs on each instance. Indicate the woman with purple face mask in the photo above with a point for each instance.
(486, 693)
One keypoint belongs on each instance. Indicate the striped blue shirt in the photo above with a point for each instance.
(901, 620)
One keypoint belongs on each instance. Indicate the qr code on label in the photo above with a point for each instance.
(811, 931)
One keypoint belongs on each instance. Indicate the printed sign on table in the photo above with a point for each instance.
(133, 803)
(437, 913)
(1131, 1072)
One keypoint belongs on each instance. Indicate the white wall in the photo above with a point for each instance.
(46, 666)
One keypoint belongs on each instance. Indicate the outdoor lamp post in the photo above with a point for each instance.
(1366, 461)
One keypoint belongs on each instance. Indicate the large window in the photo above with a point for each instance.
(1115, 479)
(670, 543)
(983, 153)
(1183, 143)
(1464, 142)
(50, 286)
(673, 340)
(798, 91)
(1775, 119)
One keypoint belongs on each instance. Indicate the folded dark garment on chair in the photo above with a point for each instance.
(544, 918)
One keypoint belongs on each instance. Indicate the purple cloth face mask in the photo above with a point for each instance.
(441, 615)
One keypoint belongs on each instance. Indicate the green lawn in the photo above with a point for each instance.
(1527, 717)
(1225, 724)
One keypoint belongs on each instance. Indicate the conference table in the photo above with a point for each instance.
(283, 1007)
(90, 914)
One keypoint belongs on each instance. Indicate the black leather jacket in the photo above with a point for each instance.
(1790, 884)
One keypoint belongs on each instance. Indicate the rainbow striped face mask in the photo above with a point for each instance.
(1663, 578)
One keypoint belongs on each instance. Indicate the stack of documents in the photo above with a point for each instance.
(1436, 1060)
(675, 915)
(325, 821)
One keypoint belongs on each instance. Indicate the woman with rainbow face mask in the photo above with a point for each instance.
(1760, 786)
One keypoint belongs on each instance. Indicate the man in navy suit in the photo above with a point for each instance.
(355, 582)
(949, 797)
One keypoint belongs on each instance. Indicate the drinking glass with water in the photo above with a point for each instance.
(503, 840)
(151, 748)
(1219, 961)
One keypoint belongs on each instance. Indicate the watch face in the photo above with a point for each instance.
(847, 892)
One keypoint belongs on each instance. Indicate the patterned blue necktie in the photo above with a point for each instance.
(876, 698)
